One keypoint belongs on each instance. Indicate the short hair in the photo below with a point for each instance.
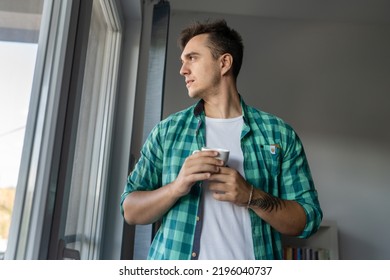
(222, 39)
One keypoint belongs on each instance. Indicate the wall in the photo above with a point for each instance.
(330, 81)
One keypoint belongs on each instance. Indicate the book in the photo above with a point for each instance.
(305, 253)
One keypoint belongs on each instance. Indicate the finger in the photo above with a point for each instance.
(219, 177)
(206, 154)
(221, 196)
(201, 168)
(197, 161)
(198, 177)
(217, 186)
(226, 170)
(209, 153)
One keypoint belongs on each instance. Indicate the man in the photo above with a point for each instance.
(212, 209)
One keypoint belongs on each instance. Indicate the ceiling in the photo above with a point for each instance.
(20, 14)
(376, 11)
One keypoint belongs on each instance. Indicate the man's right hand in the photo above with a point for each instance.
(145, 207)
(197, 167)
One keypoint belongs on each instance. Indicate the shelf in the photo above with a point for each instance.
(325, 238)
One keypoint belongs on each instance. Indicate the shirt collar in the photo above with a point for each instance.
(200, 115)
(199, 109)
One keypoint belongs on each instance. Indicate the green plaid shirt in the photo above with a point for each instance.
(274, 161)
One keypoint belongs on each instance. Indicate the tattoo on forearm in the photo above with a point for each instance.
(268, 203)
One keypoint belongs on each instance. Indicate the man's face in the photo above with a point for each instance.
(201, 71)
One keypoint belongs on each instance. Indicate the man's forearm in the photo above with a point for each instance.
(146, 207)
(286, 216)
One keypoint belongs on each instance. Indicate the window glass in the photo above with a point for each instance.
(19, 30)
(90, 167)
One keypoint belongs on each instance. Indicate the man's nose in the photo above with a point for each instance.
(184, 69)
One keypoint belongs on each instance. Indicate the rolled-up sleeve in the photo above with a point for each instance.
(146, 174)
(297, 184)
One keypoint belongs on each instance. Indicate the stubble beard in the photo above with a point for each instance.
(205, 92)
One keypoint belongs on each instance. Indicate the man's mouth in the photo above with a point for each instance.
(189, 82)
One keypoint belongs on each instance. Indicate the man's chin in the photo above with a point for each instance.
(193, 95)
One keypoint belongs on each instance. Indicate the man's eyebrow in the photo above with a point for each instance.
(187, 55)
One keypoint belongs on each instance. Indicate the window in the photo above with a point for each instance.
(19, 32)
(62, 178)
(88, 184)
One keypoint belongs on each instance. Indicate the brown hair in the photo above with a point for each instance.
(222, 39)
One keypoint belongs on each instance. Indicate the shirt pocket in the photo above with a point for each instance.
(272, 158)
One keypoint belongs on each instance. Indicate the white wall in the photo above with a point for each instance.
(331, 82)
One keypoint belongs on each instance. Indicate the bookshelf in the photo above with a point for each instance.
(322, 245)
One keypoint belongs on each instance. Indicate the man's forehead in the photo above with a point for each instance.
(196, 45)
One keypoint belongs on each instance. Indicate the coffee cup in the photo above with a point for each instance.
(223, 154)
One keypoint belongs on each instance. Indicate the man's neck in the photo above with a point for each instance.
(223, 106)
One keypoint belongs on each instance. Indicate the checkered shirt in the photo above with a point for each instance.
(274, 161)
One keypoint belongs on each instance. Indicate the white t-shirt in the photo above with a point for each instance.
(226, 231)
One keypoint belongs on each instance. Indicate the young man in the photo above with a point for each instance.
(212, 209)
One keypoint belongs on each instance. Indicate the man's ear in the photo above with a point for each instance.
(226, 63)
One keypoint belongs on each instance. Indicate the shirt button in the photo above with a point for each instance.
(193, 254)
(197, 218)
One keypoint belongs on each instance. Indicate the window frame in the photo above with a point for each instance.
(52, 117)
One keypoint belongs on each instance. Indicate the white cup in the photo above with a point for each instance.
(222, 153)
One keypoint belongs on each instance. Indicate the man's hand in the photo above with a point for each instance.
(286, 216)
(229, 185)
(197, 167)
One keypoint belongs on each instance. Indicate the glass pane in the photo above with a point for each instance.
(86, 192)
(19, 30)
